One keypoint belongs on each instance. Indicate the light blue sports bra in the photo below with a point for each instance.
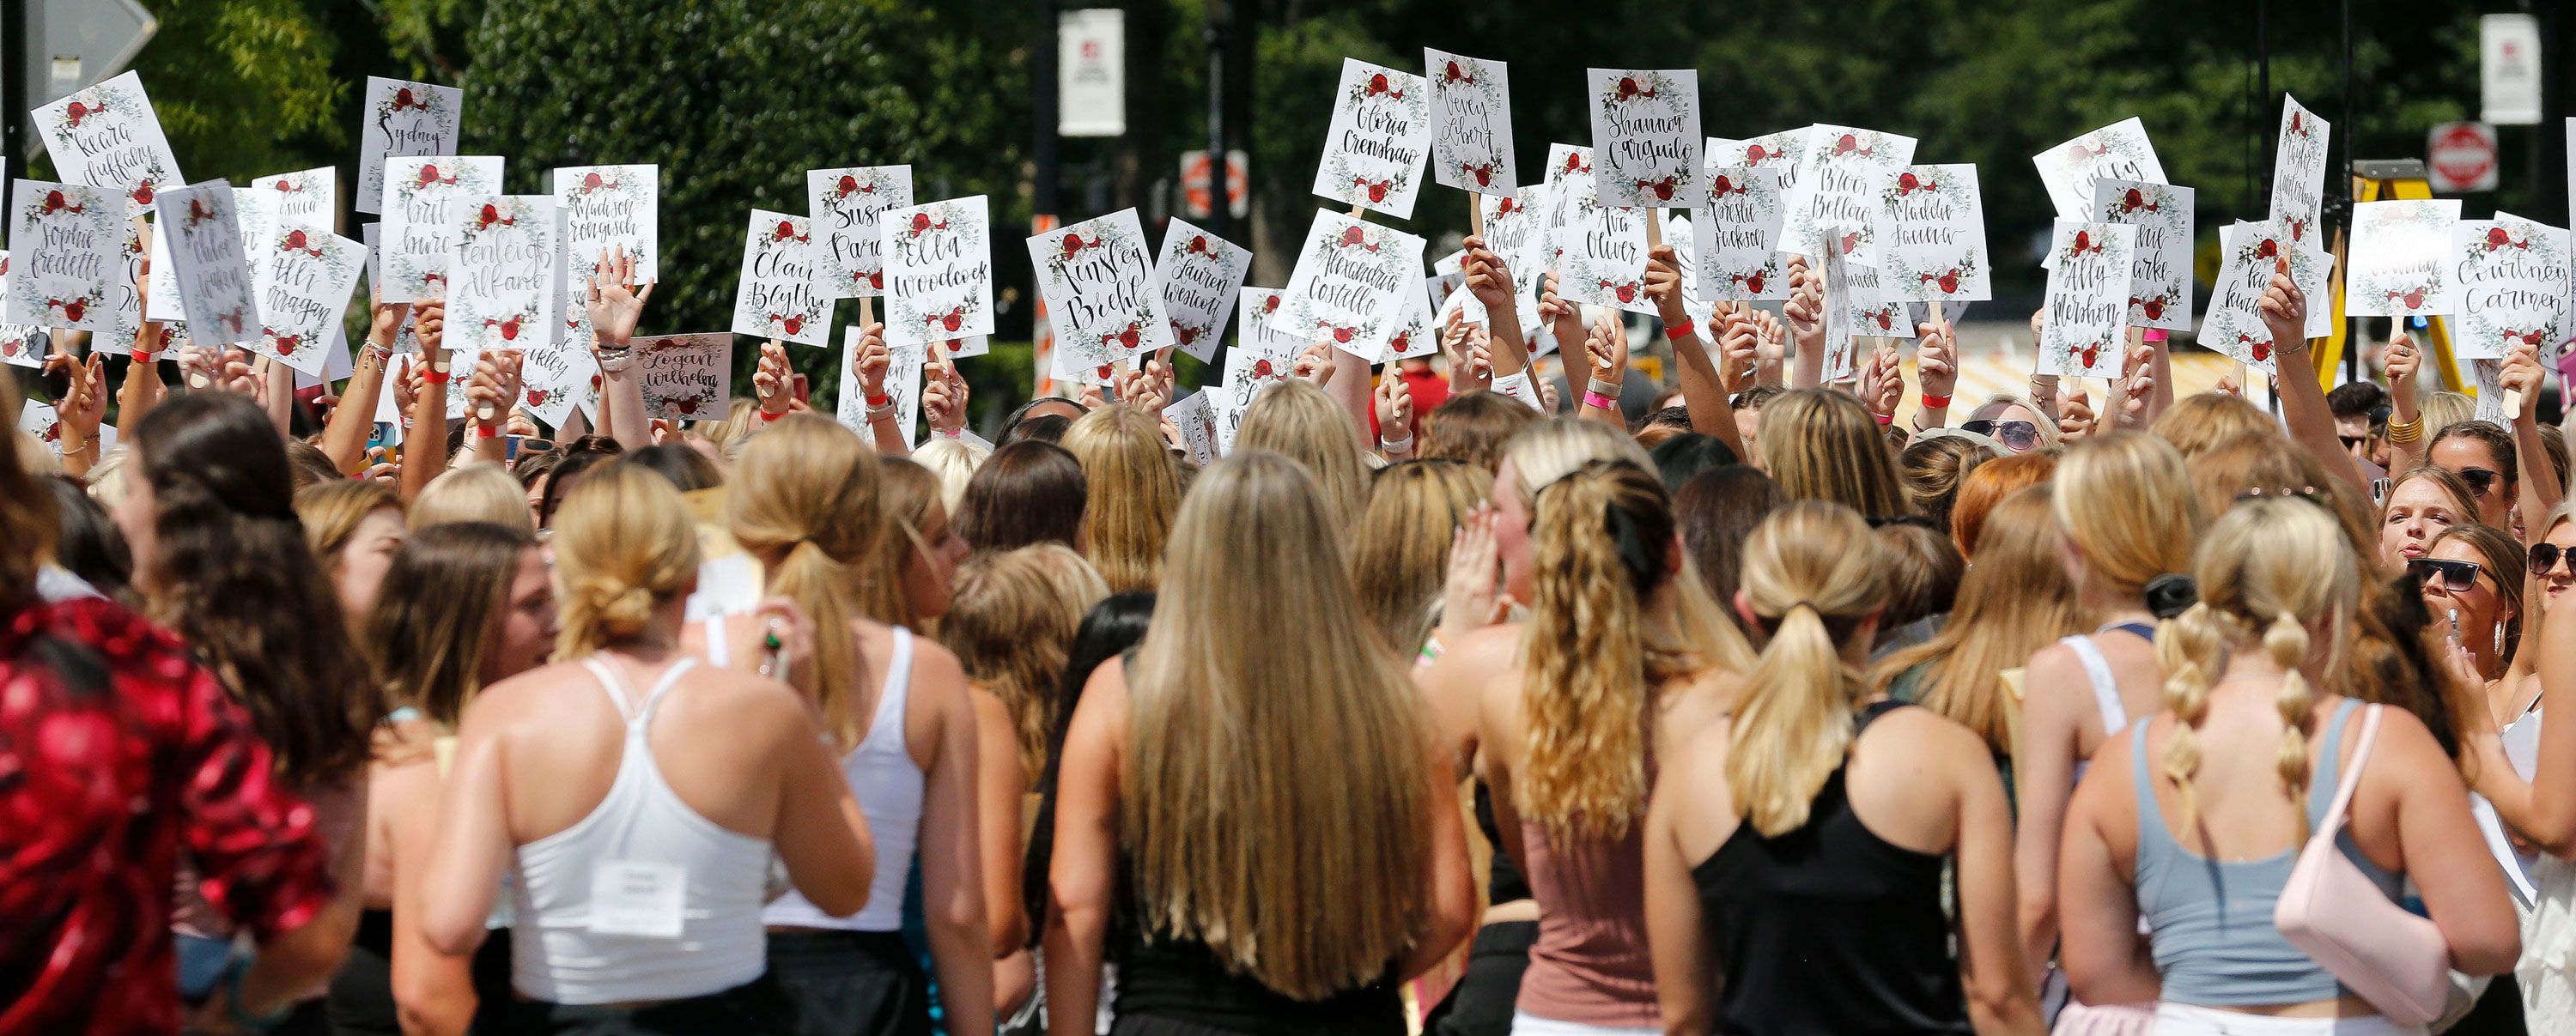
(2210, 921)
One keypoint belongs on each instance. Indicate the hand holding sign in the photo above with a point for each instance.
(616, 302)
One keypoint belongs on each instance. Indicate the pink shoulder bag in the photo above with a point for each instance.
(2334, 913)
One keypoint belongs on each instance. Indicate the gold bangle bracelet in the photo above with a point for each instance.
(2405, 432)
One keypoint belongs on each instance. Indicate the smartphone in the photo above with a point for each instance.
(519, 444)
(379, 432)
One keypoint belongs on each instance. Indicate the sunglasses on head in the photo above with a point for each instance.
(2479, 479)
(2310, 494)
(2016, 436)
(2454, 576)
(2544, 556)
(1881, 521)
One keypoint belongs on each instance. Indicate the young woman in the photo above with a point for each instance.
(477, 492)
(1799, 847)
(905, 582)
(810, 501)
(2482, 454)
(354, 527)
(2421, 505)
(1474, 427)
(1568, 731)
(1933, 468)
(1986, 487)
(1718, 509)
(1400, 556)
(1298, 421)
(2014, 602)
(1822, 445)
(2083, 690)
(1027, 492)
(465, 605)
(637, 798)
(1134, 490)
(220, 557)
(2014, 421)
(2472, 581)
(1252, 892)
(2194, 819)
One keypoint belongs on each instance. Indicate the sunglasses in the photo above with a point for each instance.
(2353, 442)
(2016, 436)
(1881, 521)
(2544, 556)
(2454, 576)
(2479, 479)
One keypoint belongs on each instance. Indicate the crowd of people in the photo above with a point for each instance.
(1421, 710)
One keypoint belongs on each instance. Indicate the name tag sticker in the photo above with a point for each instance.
(630, 897)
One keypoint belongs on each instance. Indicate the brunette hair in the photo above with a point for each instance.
(1718, 509)
(443, 598)
(1027, 492)
(1933, 470)
(1012, 624)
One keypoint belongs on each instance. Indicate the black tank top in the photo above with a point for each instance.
(1183, 980)
(1829, 929)
(1504, 883)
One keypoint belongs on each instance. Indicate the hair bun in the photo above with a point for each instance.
(627, 613)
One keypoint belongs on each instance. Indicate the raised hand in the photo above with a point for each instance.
(429, 324)
(2137, 387)
(1394, 410)
(2521, 376)
(770, 380)
(1663, 283)
(1886, 383)
(1805, 309)
(1564, 319)
(2403, 359)
(1739, 348)
(872, 359)
(1315, 364)
(616, 302)
(84, 403)
(1486, 275)
(2284, 308)
(1936, 359)
(1607, 345)
(943, 397)
(495, 384)
(2075, 419)
(1472, 597)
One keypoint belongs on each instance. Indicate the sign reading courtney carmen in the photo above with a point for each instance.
(1350, 284)
(1101, 294)
(938, 270)
(2512, 279)
(1471, 118)
(508, 280)
(1645, 138)
(206, 257)
(107, 136)
(845, 204)
(776, 296)
(424, 202)
(2160, 285)
(1379, 140)
(68, 244)
(403, 119)
(1931, 232)
(303, 277)
(2088, 299)
(608, 207)
(1198, 274)
(1838, 182)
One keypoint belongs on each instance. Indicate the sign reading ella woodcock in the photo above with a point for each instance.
(1379, 140)
(939, 271)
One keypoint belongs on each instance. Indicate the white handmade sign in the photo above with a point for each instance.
(424, 204)
(2401, 252)
(303, 278)
(107, 136)
(2119, 151)
(307, 199)
(1101, 295)
(1736, 238)
(404, 119)
(2087, 318)
(1471, 119)
(1645, 137)
(1198, 274)
(2513, 284)
(1600, 250)
(209, 262)
(1351, 282)
(69, 243)
(1379, 139)
(776, 296)
(1263, 350)
(2299, 171)
(939, 271)
(508, 275)
(1931, 232)
(2160, 285)
(1838, 183)
(845, 205)
(686, 377)
(607, 208)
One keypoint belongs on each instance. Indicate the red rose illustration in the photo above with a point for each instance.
(2266, 248)
(1262, 369)
(1352, 236)
(143, 193)
(76, 113)
(1906, 184)
(403, 99)
(1754, 154)
(538, 397)
(2497, 238)
(1270, 305)
(1198, 245)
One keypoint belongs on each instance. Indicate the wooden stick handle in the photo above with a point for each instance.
(1476, 214)
(867, 310)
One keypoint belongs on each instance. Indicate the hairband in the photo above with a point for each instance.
(2171, 594)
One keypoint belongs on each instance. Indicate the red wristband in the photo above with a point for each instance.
(1675, 331)
(487, 431)
(1885, 418)
(1933, 402)
(434, 377)
(146, 358)
(879, 400)
(766, 416)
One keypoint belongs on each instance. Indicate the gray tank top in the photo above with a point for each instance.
(2210, 921)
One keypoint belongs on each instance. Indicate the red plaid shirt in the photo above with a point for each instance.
(101, 788)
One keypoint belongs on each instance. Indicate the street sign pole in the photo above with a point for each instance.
(14, 47)
(1220, 22)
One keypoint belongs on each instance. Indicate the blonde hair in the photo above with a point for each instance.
(2050, 436)
(1300, 422)
(2014, 601)
(955, 462)
(2125, 501)
(1812, 572)
(804, 501)
(2444, 409)
(1134, 493)
(624, 547)
(2268, 570)
(1011, 624)
(1823, 445)
(909, 492)
(2196, 424)
(105, 481)
(478, 492)
(1305, 877)
(730, 434)
(331, 512)
(1599, 540)
(1400, 555)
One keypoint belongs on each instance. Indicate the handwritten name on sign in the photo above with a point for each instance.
(2512, 281)
(1931, 232)
(303, 277)
(2160, 284)
(939, 271)
(845, 205)
(1351, 283)
(776, 296)
(2119, 151)
(1780, 154)
(1379, 139)
(2400, 258)
(1838, 182)
(107, 136)
(2249, 255)
(403, 119)
(68, 246)
(1471, 119)
(2087, 315)
(1265, 348)
(1645, 137)
(1736, 237)
(2299, 170)
(1198, 274)
(1100, 290)
(310, 198)
(424, 201)
(1516, 231)
(1599, 250)
(1842, 321)
(607, 208)
(553, 381)
(685, 377)
(508, 276)
(206, 256)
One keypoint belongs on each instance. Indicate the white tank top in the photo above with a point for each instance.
(888, 785)
(644, 899)
(2106, 692)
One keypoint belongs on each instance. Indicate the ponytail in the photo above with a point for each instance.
(837, 676)
(1811, 573)
(806, 501)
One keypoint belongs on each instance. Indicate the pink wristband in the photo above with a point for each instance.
(1885, 418)
(1598, 401)
(2154, 334)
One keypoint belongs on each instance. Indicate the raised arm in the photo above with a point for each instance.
(425, 442)
(82, 409)
(952, 872)
(2303, 402)
(1936, 366)
(1606, 345)
(616, 304)
(2406, 430)
(2541, 488)
(488, 398)
(1806, 313)
(344, 435)
(1704, 388)
(1493, 285)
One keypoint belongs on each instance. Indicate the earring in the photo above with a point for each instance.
(2499, 639)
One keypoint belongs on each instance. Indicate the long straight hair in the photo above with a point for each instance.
(1400, 556)
(2014, 601)
(906, 494)
(1822, 445)
(805, 501)
(2125, 501)
(433, 622)
(1302, 873)
(231, 574)
(1299, 421)
(1812, 572)
(1134, 492)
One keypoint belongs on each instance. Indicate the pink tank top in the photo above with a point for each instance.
(1590, 964)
